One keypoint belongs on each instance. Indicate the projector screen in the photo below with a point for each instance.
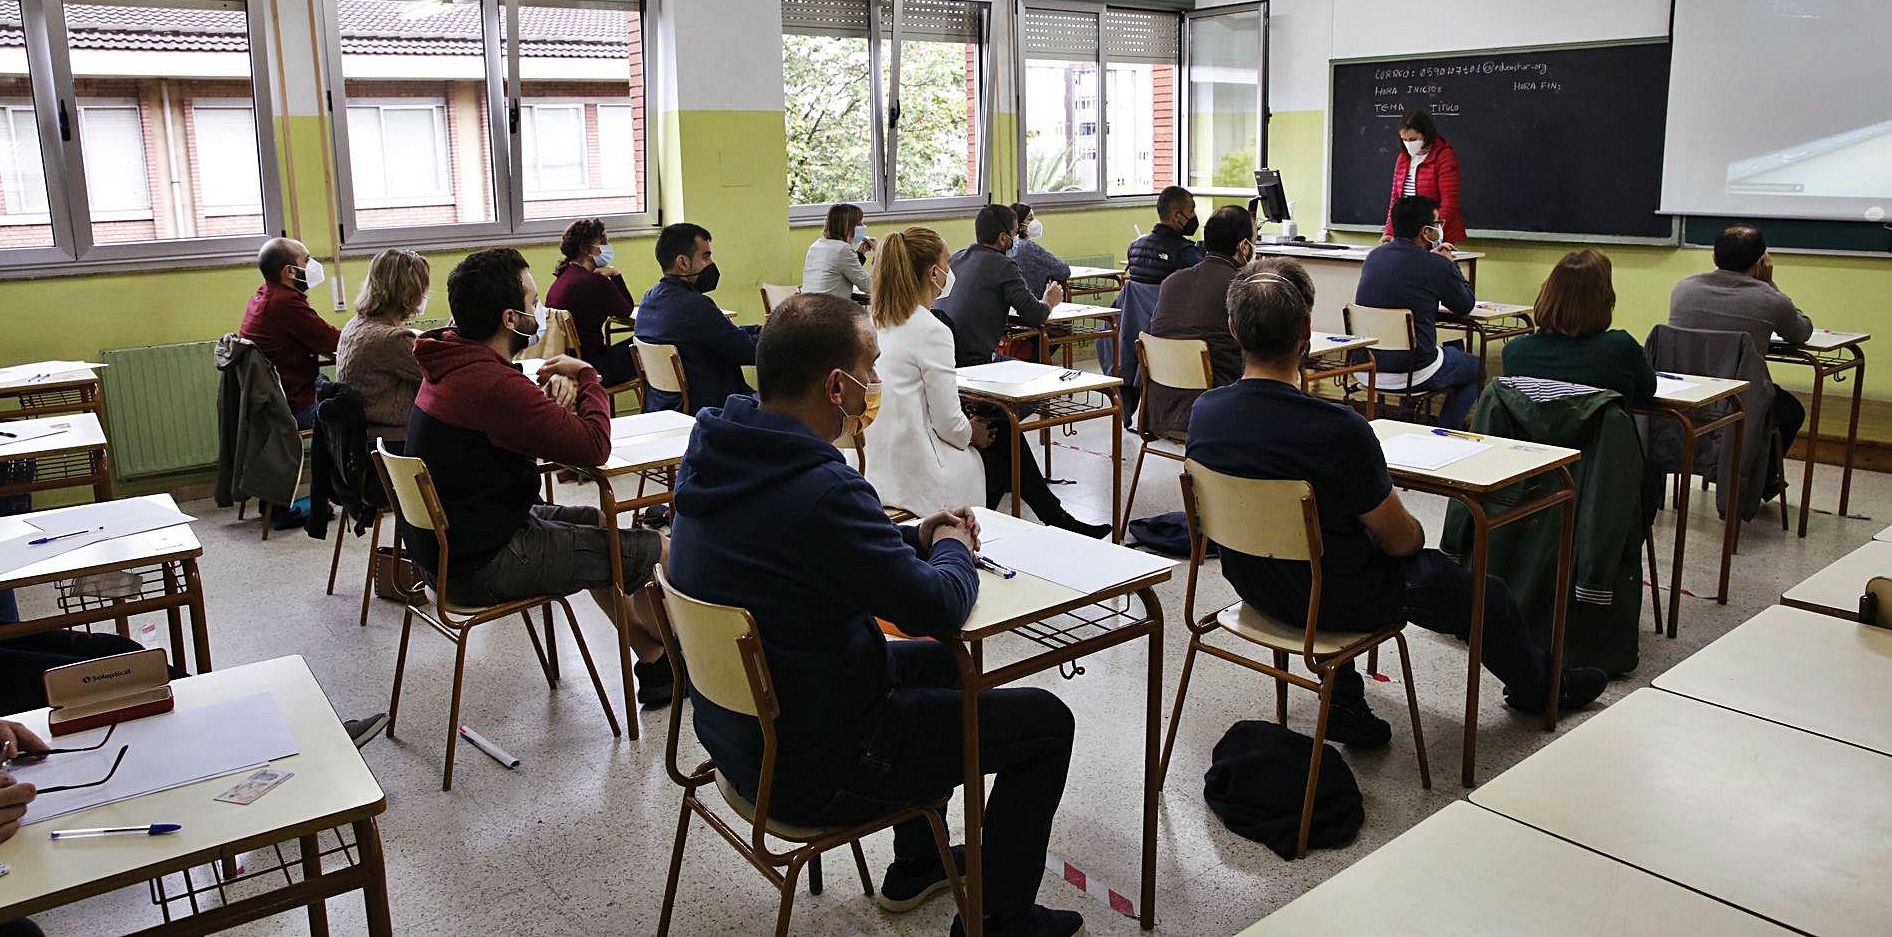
(1780, 108)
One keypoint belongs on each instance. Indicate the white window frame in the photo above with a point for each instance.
(86, 107)
(1186, 158)
(220, 104)
(62, 153)
(442, 150)
(884, 99)
(1178, 118)
(504, 98)
(9, 107)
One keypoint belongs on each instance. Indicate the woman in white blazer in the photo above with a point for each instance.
(920, 453)
(836, 262)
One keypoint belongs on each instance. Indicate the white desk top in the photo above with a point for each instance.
(1049, 384)
(1087, 273)
(1068, 312)
(1023, 597)
(330, 782)
(648, 440)
(1485, 312)
(152, 546)
(1507, 461)
(1836, 589)
(1468, 872)
(1321, 344)
(1354, 253)
(1799, 668)
(1883, 535)
(1707, 390)
(1826, 339)
(1776, 821)
(82, 432)
(33, 382)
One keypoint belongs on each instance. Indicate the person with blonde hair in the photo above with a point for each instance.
(376, 353)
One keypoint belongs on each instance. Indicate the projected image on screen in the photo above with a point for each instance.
(1779, 108)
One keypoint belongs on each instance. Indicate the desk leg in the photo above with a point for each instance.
(375, 893)
(174, 616)
(973, 915)
(1116, 472)
(102, 473)
(1852, 429)
(1731, 524)
(1152, 769)
(1018, 453)
(1475, 641)
(1566, 550)
(312, 871)
(1812, 435)
(200, 625)
(1681, 517)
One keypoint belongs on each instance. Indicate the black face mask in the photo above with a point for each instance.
(518, 341)
(707, 278)
(1189, 227)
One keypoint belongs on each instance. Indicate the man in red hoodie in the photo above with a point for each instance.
(285, 327)
(482, 426)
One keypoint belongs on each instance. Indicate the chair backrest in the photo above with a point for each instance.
(1181, 363)
(661, 366)
(773, 294)
(1274, 518)
(720, 650)
(1393, 327)
(413, 489)
(560, 338)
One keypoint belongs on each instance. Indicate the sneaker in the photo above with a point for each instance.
(1040, 921)
(365, 729)
(1355, 726)
(908, 885)
(1580, 687)
(654, 681)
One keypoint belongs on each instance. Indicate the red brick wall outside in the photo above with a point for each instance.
(1164, 154)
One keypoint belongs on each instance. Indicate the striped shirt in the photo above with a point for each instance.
(1412, 176)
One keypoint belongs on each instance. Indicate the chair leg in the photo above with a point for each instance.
(453, 711)
(1655, 579)
(584, 651)
(335, 560)
(551, 644)
(860, 864)
(1373, 661)
(539, 650)
(943, 841)
(400, 668)
(1175, 715)
(266, 513)
(374, 559)
(1281, 690)
(1135, 475)
(676, 869)
(788, 896)
(1412, 705)
(243, 507)
(814, 874)
(1313, 766)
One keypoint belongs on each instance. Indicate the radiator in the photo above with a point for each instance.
(161, 408)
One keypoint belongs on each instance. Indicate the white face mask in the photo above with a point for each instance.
(1035, 230)
(421, 310)
(860, 235)
(946, 290)
(312, 275)
(1414, 146)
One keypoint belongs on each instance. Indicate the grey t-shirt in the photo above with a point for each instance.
(1726, 301)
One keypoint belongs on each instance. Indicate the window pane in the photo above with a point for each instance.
(1224, 108)
(939, 120)
(1142, 137)
(419, 141)
(139, 71)
(829, 118)
(226, 173)
(1061, 137)
(581, 66)
(24, 221)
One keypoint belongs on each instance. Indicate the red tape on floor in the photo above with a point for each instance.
(1118, 901)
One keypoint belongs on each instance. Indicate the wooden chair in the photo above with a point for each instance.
(662, 368)
(1178, 364)
(773, 294)
(561, 338)
(716, 650)
(374, 546)
(1277, 519)
(1394, 329)
(414, 496)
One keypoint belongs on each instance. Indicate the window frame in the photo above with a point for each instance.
(56, 104)
(1179, 113)
(219, 104)
(1185, 95)
(443, 149)
(504, 99)
(884, 97)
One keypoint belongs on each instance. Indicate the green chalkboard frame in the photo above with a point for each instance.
(1798, 235)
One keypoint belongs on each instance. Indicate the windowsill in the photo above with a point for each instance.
(577, 194)
(429, 202)
(239, 211)
(25, 220)
(170, 263)
(379, 239)
(1056, 202)
(924, 214)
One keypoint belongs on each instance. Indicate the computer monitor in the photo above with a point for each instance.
(1271, 201)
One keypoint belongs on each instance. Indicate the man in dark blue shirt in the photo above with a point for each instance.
(1409, 272)
(1374, 565)
(678, 311)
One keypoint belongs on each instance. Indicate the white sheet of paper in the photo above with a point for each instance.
(166, 751)
(649, 448)
(102, 521)
(1429, 451)
(643, 424)
(20, 372)
(27, 431)
(1070, 560)
(1669, 386)
(1007, 372)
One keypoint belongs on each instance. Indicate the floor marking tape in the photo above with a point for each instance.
(1118, 901)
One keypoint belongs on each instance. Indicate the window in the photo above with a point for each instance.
(124, 134)
(1224, 100)
(1068, 147)
(844, 142)
(420, 84)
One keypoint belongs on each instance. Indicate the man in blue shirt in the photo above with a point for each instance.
(1375, 568)
(678, 311)
(1410, 272)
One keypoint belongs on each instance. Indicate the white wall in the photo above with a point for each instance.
(1371, 28)
(726, 55)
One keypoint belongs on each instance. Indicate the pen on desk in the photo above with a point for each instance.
(1070, 375)
(1456, 434)
(1340, 338)
(1003, 571)
(486, 745)
(36, 541)
(149, 829)
(9, 435)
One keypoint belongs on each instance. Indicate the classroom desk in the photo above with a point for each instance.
(1813, 672)
(332, 787)
(1778, 822)
(1336, 275)
(63, 392)
(73, 458)
(1067, 625)
(1836, 589)
(1830, 354)
(1682, 406)
(1468, 872)
(1114, 276)
(174, 550)
(1468, 481)
(1883, 536)
(1048, 401)
(1327, 358)
(1060, 330)
(1486, 323)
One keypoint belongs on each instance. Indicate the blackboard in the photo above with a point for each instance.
(1549, 141)
(1866, 237)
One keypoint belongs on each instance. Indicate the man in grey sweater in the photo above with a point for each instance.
(1740, 296)
(986, 287)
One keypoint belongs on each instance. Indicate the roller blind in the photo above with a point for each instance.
(1142, 36)
(1060, 35)
(825, 17)
(926, 20)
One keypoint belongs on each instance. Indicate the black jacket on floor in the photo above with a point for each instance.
(1258, 780)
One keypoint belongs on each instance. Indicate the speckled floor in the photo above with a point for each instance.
(577, 840)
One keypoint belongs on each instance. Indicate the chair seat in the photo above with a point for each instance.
(1246, 621)
(776, 828)
(499, 610)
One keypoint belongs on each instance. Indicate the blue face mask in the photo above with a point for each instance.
(860, 235)
(606, 254)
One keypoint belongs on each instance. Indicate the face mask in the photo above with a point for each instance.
(707, 278)
(421, 310)
(1413, 147)
(1189, 227)
(520, 341)
(853, 425)
(860, 235)
(1427, 238)
(1013, 250)
(1035, 230)
(311, 276)
(606, 254)
(946, 290)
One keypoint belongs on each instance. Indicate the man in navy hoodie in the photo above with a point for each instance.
(770, 517)
(678, 311)
(482, 426)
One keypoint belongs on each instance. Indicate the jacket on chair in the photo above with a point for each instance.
(259, 448)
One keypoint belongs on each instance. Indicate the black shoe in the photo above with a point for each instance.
(1580, 687)
(1040, 921)
(363, 730)
(1355, 726)
(1072, 524)
(657, 517)
(908, 885)
(654, 682)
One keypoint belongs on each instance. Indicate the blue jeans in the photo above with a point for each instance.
(1458, 377)
(913, 752)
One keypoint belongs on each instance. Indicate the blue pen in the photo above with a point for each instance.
(1455, 434)
(1340, 338)
(150, 829)
(1672, 377)
(1004, 572)
(37, 541)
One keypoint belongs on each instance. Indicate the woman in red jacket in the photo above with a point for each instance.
(1427, 167)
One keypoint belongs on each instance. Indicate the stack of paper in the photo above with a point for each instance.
(1070, 560)
(1007, 372)
(1428, 451)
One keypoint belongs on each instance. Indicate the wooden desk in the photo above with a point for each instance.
(1114, 276)
(1813, 672)
(1682, 406)
(174, 550)
(1060, 330)
(1327, 358)
(1836, 589)
(74, 458)
(1051, 400)
(1336, 275)
(1508, 462)
(1830, 354)
(1488, 322)
(53, 393)
(332, 787)
(1067, 625)
(1468, 872)
(1775, 821)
